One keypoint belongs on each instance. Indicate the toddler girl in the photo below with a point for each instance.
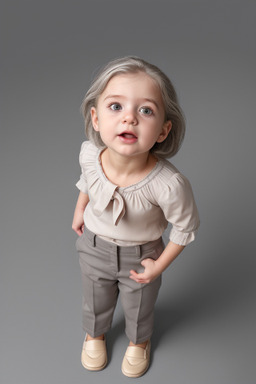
(128, 194)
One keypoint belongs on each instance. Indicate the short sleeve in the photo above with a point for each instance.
(179, 208)
(82, 183)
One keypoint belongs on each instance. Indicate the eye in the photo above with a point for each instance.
(115, 107)
(146, 111)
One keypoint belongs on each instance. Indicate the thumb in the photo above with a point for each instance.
(143, 263)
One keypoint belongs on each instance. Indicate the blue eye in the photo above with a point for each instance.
(146, 111)
(115, 107)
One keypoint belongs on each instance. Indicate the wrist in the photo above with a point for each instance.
(159, 266)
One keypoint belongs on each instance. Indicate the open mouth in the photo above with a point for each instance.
(128, 135)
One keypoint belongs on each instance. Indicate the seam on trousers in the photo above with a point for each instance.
(137, 316)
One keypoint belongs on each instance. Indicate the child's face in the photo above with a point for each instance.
(130, 114)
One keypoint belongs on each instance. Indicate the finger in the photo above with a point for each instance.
(137, 275)
(133, 274)
(135, 278)
(139, 281)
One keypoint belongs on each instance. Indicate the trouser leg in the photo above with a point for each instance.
(99, 302)
(138, 304)
(138, 300)
(100, 290)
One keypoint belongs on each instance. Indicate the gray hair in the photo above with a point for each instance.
(173, 112)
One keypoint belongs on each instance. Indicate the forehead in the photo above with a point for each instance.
(138, 83)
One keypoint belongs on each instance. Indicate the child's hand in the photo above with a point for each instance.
(154, 268)
(78, 219)
(78, 223)
(150, 273)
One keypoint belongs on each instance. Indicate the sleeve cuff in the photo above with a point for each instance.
(181, 238)
(82, 186)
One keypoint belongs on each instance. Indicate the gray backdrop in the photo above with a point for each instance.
(205, 315)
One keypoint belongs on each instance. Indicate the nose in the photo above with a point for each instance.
(129, 117)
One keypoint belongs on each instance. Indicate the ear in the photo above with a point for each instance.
(94, 118)
(165, 131)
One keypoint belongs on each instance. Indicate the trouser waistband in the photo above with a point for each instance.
(97, 240)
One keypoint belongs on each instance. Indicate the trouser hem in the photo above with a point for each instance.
(140, 339)
(96, 333)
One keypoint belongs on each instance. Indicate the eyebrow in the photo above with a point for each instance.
(144, 99)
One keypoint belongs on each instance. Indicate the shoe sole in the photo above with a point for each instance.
(135, 375)
(94, 368)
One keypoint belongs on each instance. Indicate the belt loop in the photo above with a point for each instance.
(94, 240)
(139, 250)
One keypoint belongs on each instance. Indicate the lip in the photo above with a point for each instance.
(128, 137)
(128, 134)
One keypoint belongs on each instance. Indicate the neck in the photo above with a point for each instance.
(125, 170)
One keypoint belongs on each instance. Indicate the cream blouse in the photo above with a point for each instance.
(140, 212)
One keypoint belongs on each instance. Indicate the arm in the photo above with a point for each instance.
(78, 219)
(153, 268)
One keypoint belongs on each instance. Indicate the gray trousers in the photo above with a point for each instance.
(105, 269)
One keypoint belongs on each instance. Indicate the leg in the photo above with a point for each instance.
(100, 290)
(99, 302)
(138, 303)
(138, 300)
(100, 294)
(139, 312)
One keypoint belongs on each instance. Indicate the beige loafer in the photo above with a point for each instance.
(136, 361)
(94, 354)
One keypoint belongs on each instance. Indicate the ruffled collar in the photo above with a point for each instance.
(110, 193)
